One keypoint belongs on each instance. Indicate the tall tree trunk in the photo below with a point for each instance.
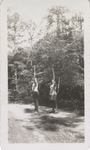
(58, 25)
(16, 80)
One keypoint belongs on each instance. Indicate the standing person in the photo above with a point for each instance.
(58, 90)
(35, 93)
(53, 95)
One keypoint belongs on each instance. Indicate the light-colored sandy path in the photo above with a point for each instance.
(27, 127)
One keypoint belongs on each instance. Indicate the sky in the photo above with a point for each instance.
(36, 9)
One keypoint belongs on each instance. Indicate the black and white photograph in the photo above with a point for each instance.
(46, 72)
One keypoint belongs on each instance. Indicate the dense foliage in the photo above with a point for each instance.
(61, 47)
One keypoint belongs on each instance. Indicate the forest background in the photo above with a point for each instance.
(58, 43)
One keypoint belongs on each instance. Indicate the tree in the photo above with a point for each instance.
(76, 23)
(12, 24)
(56, 17)
(16, 28)
(34, 32)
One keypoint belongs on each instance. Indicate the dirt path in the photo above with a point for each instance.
(27, 127)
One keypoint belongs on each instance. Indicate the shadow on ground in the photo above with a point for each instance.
(51, 122)
(54, 124)
(27, 110)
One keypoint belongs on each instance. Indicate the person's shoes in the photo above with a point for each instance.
(56, 112)
(53, 111)
(36, 112)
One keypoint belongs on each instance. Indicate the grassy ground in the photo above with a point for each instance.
(27, 127)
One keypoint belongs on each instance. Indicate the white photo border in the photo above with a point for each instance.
(4, 89)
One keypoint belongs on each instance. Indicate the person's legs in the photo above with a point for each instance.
(53, 105)
(36, 101)
(36, 104)
(56, 105)
(34, 97)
